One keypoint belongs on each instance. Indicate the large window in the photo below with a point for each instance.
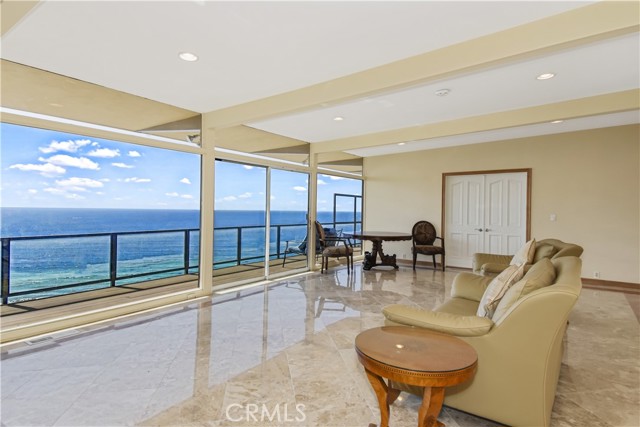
(82, 213)
(340, 202)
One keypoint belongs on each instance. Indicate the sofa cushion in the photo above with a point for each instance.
(497, 288)
(469, 286)
(544, 251)
(525, 254)
(454, 324)
(461, 306)
(541, 274)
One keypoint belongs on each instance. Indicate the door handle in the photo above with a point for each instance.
(478, 229)
(486, 229)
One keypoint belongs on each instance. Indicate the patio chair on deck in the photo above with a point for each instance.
(331, 248)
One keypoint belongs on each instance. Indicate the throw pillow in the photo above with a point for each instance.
(497, 288)
(524, 254)
(541, 274)
(544, 251)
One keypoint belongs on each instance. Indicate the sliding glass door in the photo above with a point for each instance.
(239, 222)
(255, 205)
(289, 203)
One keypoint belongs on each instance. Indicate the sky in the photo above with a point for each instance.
(44, 168)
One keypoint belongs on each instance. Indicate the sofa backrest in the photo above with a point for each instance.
(567, 282)
(562, 248)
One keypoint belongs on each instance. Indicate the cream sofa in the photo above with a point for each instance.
(519, 349)
(489, 264)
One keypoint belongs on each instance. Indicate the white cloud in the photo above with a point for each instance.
(136, 179)
(105, 153)
(133, 153)
(70, 161)
(248, 167)
(122, 165)
(187, 196)
(335, 178)
(104, 179)
(229, 198)
(185, 181)
(321, 182)
(76, 182)
(300, 188)
(63, 192)
(173, 194)
(46, 169)
(68, 146)
(32, 191)
(245, 195)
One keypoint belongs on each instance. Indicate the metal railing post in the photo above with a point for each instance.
(113, 259)
(278, 229)
(187, 243)
(6, 264)
(239, 246)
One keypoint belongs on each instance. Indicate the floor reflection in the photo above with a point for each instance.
(283, 354)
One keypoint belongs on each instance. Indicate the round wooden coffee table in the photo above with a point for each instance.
(417, 357)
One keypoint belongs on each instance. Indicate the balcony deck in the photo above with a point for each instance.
(30, 312)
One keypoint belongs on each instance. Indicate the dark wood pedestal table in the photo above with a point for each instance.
(417, 357)
(376, 238)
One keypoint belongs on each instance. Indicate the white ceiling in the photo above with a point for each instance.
(254, 50)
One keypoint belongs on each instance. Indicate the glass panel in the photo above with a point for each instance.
(340, 204)
(239, 222)
(289, 212)
(96, 193)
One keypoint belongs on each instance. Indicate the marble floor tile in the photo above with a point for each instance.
(282, 355)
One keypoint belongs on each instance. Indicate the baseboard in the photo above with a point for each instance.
(610, 285)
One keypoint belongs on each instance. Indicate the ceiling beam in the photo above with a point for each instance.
(584, 107)
(13, 11)
(577, 27)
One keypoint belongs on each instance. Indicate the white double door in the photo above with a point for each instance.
(484, 213)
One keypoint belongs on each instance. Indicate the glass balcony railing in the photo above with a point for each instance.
(37, 267)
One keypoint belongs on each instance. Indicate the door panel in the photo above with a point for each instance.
(484, 213)
(464, 218)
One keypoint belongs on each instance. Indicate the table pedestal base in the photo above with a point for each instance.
(371, 259)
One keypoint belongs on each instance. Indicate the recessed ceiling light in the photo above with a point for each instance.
(557, 121)
(401, 143)
(443, 92)
(338, 119)
(188, 56)
(546, 76)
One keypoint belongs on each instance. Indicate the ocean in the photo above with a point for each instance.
(59, 262)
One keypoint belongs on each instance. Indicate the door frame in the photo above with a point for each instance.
(528, 171)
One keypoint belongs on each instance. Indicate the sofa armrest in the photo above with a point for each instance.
(493, 268)
(469, 286)
(452, 324)
(479, 259)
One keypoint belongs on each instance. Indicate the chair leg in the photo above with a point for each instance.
(435, 266)
(415, 257)
(285, 257)
(442, 259)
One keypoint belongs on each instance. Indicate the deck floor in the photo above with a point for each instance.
(30, 312)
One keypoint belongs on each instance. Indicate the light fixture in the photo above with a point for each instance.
(442, 92)
(399, 346)
(194, 139)
(401, 143)
(546, 76)
(188, 56)
(338, 119)
(557, 121)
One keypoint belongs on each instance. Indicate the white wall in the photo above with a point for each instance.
(589, 179)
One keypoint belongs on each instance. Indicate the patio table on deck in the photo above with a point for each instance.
(376, 238)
